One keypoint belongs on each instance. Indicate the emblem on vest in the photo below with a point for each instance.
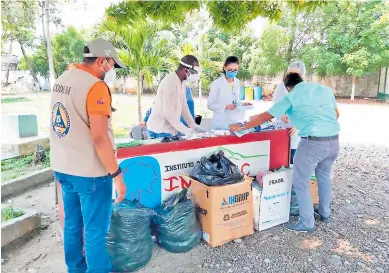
(60, 120)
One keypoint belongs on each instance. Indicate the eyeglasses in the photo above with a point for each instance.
(230, 70)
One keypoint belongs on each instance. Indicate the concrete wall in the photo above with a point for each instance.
(365, 86)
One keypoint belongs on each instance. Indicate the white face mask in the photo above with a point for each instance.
(193, 77)
(109, 76)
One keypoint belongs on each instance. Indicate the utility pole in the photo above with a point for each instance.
(48, 45)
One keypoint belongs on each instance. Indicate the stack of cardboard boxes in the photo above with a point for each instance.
(229, 212)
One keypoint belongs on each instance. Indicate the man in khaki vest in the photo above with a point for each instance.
(83, 155)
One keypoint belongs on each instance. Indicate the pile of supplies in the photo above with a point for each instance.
(267, 126)
(130, 239)
(220, 205)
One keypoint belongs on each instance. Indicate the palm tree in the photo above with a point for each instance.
(143, 49)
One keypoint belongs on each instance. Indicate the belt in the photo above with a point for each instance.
(321, 138)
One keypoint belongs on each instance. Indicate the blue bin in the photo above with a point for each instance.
(258, 93)
(242, 93)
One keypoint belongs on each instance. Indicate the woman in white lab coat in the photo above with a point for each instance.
(279, 93)
(223, 98)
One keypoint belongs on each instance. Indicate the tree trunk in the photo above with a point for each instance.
(139, 96)
(124, 84)
(48, 45)
(200, 92)
(43, 16)
(291, 40)
(32, 71)
(353, 88)
(9, 64)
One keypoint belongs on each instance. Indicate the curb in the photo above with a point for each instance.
(19, 227)
(23, 183)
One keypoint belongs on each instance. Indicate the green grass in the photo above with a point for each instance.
(15, 167)
(14, 99)
(10, 213)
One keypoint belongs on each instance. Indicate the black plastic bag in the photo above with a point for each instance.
(176, 226)
(129, 241)
(216, 170)
(198, 119)
(171, 139)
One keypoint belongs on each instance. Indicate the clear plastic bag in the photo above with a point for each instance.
(129, 241)
(216, 170)
(176, 226)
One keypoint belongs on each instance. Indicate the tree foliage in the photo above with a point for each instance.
(67, 49)
(354, 39)
(269, 56)
(227, 15)
(18, 20)
(144, 49)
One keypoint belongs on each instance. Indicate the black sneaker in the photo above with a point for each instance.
(322, 218)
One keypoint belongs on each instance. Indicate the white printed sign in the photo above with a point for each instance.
(275, 199)
(154, 178)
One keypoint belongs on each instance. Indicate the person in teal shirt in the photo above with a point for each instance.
(313, 111)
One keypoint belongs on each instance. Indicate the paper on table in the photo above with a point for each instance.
(245, 107)
(244, 132)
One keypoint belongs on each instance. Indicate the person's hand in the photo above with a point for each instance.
(120, 188)
(247, 104)
(198, 129)
(292, 131)
(285, 119)
(235, 127)
(230, 106)
(143, 124)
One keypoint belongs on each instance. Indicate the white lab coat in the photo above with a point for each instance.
(220, 96)
(279, 93)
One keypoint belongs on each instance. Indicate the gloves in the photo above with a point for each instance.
(197, 129)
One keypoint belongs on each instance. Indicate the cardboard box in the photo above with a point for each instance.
(225, 212)
(274, 206)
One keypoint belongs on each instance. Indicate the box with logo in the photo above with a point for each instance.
(225, 212)
(272, 205)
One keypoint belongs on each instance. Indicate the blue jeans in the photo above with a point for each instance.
(160, 135)
(314, 156)
(87, 206)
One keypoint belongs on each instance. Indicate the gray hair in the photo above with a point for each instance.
(298, 65)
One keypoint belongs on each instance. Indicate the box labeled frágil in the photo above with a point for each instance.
(275, 200)
(225, 212)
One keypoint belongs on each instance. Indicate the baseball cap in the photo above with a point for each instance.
(103, 48)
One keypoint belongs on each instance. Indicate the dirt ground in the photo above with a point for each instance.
(356, 240)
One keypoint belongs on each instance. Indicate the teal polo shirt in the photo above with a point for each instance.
(311, 108)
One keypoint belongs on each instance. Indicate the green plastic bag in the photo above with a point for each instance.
(176, 226)
(129, 241)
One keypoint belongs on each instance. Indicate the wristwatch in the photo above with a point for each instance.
(119, 171)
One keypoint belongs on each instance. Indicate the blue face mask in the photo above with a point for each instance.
(231, 74)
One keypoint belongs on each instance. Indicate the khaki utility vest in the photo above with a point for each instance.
(72, 148)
